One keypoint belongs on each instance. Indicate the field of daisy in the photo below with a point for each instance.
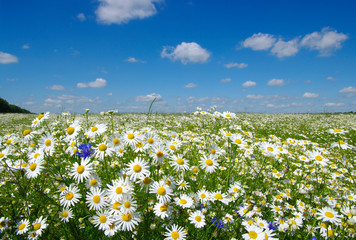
(204, 175)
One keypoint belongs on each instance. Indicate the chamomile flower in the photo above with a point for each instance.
(184, 201)
(159, 153)
(197, 218)
(103, 150)
(337, 131)
(137, 169)
(228, 219)
(66, 214)
(182, 184)
(145, 182)
(127, 221)
(222, 197)
(96, 199)
(22, 227)
(95, 130)
(128, 205)
(253, 232)
(103, 219)
(93, 181)
(203, 195)
(162, 190)
(114, 142)
(179, 163)
(34, 168)
(82, 172)
(73, 130)
(39, 225)
(175, 233)
(318, 158)
(47, 143)
(119, 188)
(162, 210)
(70, 196)
(130, 138)
(327, 214)
(209, 164)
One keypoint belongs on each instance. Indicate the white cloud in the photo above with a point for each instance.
(12, 79)
(109, 94)
(52, 101)
(26, 46)
(325, 42)
(6, 58)
(29, 103)
(285, 49)
(252, 96)
(186, 52)
(270, 105)
(237, 65)
(148, 97)
(123, 11)
(259, 41)
(331, 79)
(348, 90)
(190, 85)
(310, 95)
(249, 84)
(81, 17)
(134, 60)
(334, 104)
(98, 83)
(276, 82)
(226, 80)
(56, 87)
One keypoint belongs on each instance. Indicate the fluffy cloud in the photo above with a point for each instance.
(252, 96)
(26, 46)
(226, 80)
(259, 41)
(148, 97)
(270, 105)
(285, 49)
(52, 101)
(276, 82)
(56, 87)
(186, 52)
(6, 58)
(331, 79)
(325, 42)
(123, 11)
(98, 83)
(310, 95)
(237, 65)
(348, 90)
(81, 17)
(334, 104)
(249, 84)
(134, 60)
(190, 85)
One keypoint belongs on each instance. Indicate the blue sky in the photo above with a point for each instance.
(256, 56)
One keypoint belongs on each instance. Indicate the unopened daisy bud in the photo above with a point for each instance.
(351, 221)
(87, 110)
(153, 226)
(353, 211)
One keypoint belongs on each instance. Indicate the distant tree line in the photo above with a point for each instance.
(5, 107)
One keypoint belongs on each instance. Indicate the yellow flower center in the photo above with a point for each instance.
(126, 217)
(116, 141)
(33, 166)
(168, 182)
(250, 222)
(209, 162)
(163, 208)
(150, 140)
(161, 191)
(64, 214)
(147, 180)
(22, 226)
(253, 234)
(202, 196)
(341, 142)
(102, 147)
(213, 151)
(228, 115)
(94, 129)
(80, 169)
(329, 215)
(26, 132)
(130, 136)
(238, 141)
(180, 161)
(102, 219)
(183, 201)
(228, 134)
(172, 147)
(37, 226)
(195, 170)
(318, 158)
(24, 165)
(337, 130)
(218, 196)
(48, 142)
(69, 196)
(127, 204)
(270, 149)
(70, 130)
(1, 155)
(93, 182)
(175, 235)
(118, 190)
(116, 205)
(36, 155)
(96, 199)
(139, 145)
(198, 218)
(40, 116)
(159, 154)
(137, 168)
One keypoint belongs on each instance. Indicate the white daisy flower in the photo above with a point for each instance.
(253, 233)
(203, 196)
(96, 199)
(327, 214)
(137, 169)
(103, 219)
(22, 227)
(34, 168)
(127, 221)
(102, 150)
(209, 164)
(162, 210)
(179, 163)
(130, 138)
(162, 190)
(128, 205)
(95, 130)
(119, 188)
(66, 214)
(184, 201)
(197, 218)
(93, 181)
(175, 233)
(39, 225)
(82, 172)
(70, 196)
(47, 143)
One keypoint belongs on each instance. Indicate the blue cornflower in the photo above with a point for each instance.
(271, 225)
(84, 150)
(217, 223)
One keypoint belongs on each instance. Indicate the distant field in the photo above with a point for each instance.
(178, 176)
